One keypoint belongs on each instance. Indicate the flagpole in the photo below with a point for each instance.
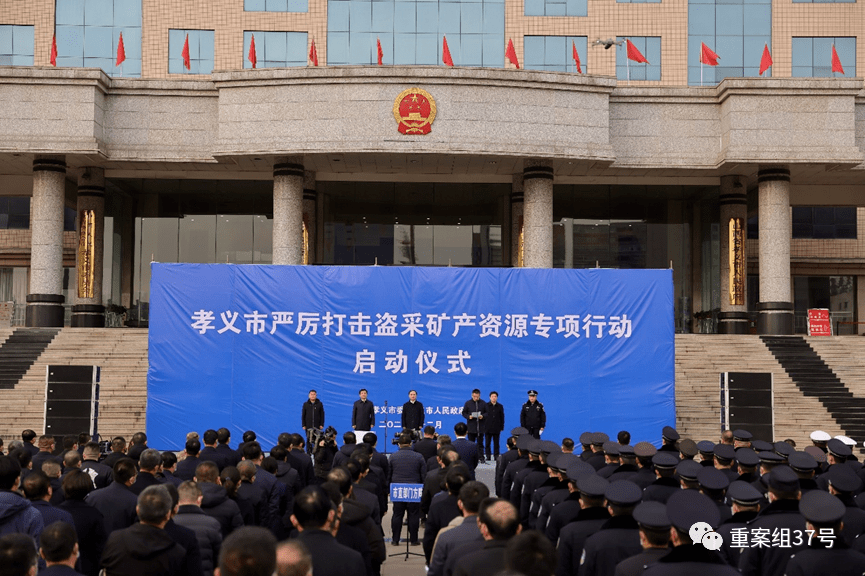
(628, 65)
(701, 70)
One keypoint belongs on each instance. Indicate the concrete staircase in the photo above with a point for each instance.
(122, 356)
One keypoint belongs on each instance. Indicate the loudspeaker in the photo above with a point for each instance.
(71, 400)
(747, 403)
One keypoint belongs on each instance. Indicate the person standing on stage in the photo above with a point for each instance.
(363, 413)
(312, 418)
(494, 424)
(532, 416)
(474, 411)
(412, 413)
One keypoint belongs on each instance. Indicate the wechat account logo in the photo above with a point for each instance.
(702, 533)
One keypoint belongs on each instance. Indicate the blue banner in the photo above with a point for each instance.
(241, 346)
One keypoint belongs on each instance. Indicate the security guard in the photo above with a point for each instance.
(589, 516)
(828, 552)
(551, 492)
(745, 501)
(532, 416)
(619, 537)
(654, 538)
(685, 508)
(666, 484)
(669, 437)
(515, 466)
(713, 483)
(805, 466)
(646, 475)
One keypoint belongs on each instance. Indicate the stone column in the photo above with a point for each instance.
(88, 310)
(45, 301)
(310, 201)
(516, 219)
(775, 306)
(288, 210)
(538, 215)
(733, 318)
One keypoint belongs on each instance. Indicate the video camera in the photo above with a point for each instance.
(329, 436)
(415, 436)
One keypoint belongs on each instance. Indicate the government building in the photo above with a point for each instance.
(266, 131)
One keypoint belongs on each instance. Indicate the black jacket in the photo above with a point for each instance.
(90, 528)
(363, 415)
(185, 469)
(687, 560)
(117, 504)
(312, 414)
(301, 462)
(221, 459)
(441, 512)
(476, 426)
(495, 418)
(143, 549)
(329, 557)
(207, 531)
(413, 416)
(427, 447)
(142, 481)
(487, 561)
(217, 504)
(189, 542)
(617, 539)
(533, 415)
(231, 455)
(772, 561)
(101, 474)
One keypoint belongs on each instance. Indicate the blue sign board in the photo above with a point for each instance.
(241, 347)
(406, 492)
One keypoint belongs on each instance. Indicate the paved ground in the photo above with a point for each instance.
(414, 566)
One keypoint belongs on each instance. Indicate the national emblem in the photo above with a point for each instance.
(414, 110)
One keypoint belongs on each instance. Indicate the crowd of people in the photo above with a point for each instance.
(593, 507)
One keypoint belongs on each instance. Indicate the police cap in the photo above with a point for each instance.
(519, 431)
(770, 457)
(687, 447)
(586, 438)
(706, 447)
(843, 479)
(820, 507)
(598, 438)
(553, 460)
(562, 460)
(801, 462)
(818, 454)
(644, 450)
(611, 448)
(783, 449)
(762, 446)
(535, 446)
(524, 442)
(578, 469)
(623, 493)
(747, 457)
(652, 515)
(686, 507)
(783, 479)
(533, 392)
(725, 452)
(549, 447)
(626, 450)
(664, 461)
(670, 433)
(591, 485)
(820, 436)
(838, 448)
(742, 435)
(688, 469)
(712, 479)
(847, 440)
(743, 493)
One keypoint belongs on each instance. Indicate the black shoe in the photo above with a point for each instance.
(415, 543)
(394, 543)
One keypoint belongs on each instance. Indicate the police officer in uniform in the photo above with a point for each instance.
(619, 537)
(746, 501)
(654, 538)
(532, 416)
(828, 553)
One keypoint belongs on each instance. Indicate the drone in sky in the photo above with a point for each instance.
(608, 43)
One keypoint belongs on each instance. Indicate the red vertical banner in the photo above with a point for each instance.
(121, 51)
(836, 62)
(511, 54)
(253, 58)
(446, 52)
(378, 50)
(313, 55)
(819, 323)
(53, 59)
(187, 62)
(766, 60)
(577, 58)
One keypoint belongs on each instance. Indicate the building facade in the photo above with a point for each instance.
(748, 187)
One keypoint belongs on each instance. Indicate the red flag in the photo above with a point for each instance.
(53, 51)
(512, 54)
(313, 55)
(121, 51)
(836, 62)
(577, 58)
(766, 60)
(186, 62)
(446, 53)
(252, 57)
(379, 51)
(633, 53)
(707, 56)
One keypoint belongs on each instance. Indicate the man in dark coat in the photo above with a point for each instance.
(467, 449)
(413, 416)
(37, 490)
(532, 416)
(504, 460)
(314, 517)
(363, 412)
(311, 418)
(207, 530)
(495, 423)
(515, 466)
(118, 451)
(99, 473)
(300, 461)
(498, 523)
(58, 545)
(445, 507)
(46, 452)
(223, 437)
(210, 451)
(268, 484)
(145, 548)
(215, 501)
(406, 467)
(356, 514)
(469, 501)
(654, 538)
(475, 413)
(149, 465)
(617, 538)
(828, 553)
(137, 445)
(427, 446)
(186, 467)
(116, 502)
(16, 513)
(572, 525)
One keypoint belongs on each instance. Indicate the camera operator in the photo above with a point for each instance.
(324, 451)
(312, 418)
(412, 413)
(428, 447)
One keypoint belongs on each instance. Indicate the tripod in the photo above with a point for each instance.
(407, 552)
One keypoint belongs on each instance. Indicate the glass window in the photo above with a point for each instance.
(276, 5)
(88, 33)
(812, 57)
(16, 45)
(556, 8)
(737, 30)
(14, 212)
(411, 31)
(835, 293)
(200, 51)
(554, 53)
(823, 1)
(824, 222)
(276, 49)
(650, 47)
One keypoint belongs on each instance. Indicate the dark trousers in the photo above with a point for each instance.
(493, 438)
(479, 438)
(535, 432)
(399, 510)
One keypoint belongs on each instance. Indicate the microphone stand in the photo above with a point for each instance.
(386, 428)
